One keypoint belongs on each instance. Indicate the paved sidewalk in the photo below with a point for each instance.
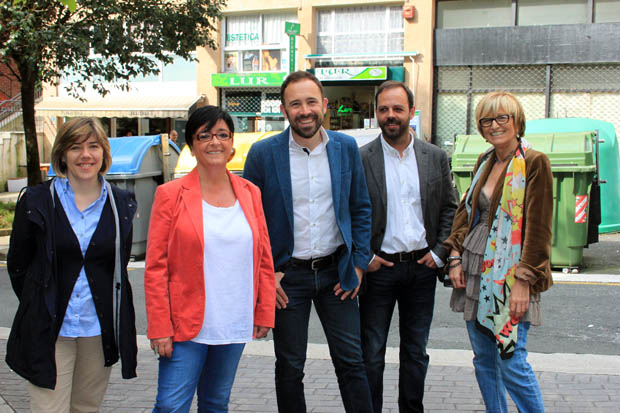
(569, 383)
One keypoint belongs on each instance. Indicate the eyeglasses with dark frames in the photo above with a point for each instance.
(500, 119)
(207, 136)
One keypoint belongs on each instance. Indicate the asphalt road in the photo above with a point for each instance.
(578, 318)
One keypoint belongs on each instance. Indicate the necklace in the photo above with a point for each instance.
(505, 159)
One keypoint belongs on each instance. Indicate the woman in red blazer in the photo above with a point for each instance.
(209, 279)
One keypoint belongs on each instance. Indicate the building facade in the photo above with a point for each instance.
(351, 46)
(559, 57)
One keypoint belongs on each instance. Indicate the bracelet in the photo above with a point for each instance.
(454, 265)
(455, 258)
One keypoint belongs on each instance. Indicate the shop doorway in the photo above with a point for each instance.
(349, 107)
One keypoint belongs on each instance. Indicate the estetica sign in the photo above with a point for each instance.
(241, 37)
(351, 73)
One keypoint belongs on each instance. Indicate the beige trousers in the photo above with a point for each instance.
(81, 378)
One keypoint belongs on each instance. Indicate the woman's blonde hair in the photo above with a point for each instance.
(78, 130)
(490, 105)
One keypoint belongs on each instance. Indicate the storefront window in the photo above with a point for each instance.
(126, 127)
(256, 43)
(373, 29)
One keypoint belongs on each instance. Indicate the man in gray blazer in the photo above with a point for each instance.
(413, 204)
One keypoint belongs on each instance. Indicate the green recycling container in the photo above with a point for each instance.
(573, 167)
(608, 161)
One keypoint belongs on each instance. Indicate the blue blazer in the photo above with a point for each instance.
(268, 166)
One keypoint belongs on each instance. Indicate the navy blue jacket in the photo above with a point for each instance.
(32, 265)
(268, 167)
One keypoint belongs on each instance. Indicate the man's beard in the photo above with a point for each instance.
(305, 133)
(393, 135)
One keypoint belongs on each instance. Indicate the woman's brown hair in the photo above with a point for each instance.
(78, 130)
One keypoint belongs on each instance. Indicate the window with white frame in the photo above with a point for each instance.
(371, 29)
(256, 43)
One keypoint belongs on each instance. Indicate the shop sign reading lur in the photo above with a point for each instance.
(271, 79)
(351, 73)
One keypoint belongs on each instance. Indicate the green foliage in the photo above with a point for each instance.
(96, 42)
(71, 4)
(102, 41)
(7, 211)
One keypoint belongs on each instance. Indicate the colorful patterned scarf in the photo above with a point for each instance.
(502, 255)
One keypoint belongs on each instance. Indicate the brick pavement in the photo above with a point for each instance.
(448, 389)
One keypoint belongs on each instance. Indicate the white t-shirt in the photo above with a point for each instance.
(228, 272)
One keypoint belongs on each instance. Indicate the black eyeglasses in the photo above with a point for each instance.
(207, 136)
(500, 119)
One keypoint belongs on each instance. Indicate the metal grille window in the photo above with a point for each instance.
(544, 91)
(271, 103)
(245, 102)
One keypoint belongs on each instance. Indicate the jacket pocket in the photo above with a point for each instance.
(175, 292)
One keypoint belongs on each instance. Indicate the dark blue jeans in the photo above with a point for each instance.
(340, 320)
(413, 286)
(208, 370)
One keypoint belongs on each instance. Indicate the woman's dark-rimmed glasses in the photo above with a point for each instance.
(207, 136)
(500, 119)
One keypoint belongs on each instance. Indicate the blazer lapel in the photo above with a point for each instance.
(333, 157)
(377, 168)
(191, 198)
(422, 161)
(282, 168)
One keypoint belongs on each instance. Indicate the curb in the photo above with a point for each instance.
(592, 364)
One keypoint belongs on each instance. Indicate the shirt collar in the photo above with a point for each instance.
(390, 151)
(320, 147)
(68, 189)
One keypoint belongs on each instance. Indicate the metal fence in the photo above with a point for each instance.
(251, 101)
(591, 91)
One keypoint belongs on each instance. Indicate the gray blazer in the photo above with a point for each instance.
(438, 198)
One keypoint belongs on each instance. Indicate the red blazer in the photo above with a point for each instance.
(174, 273)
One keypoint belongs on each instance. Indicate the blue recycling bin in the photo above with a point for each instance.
(137, 166)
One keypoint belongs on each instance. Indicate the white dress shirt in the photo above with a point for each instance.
(404, 230)
(315, 229)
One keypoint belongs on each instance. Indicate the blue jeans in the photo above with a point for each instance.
(208, 370)
(495, 375)
(340, 320)
(412, 285)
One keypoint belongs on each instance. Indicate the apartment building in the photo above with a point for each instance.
(560, 57)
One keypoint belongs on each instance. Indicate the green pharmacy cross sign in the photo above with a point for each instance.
(292, 29)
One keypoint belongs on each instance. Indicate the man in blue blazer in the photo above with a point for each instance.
(318, 215)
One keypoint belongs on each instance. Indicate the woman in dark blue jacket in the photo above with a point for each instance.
(67, 261)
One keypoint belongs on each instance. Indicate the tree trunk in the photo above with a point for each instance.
(28, 86)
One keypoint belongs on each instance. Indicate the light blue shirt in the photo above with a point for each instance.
(81, 316)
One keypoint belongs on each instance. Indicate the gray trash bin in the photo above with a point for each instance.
(137, 167)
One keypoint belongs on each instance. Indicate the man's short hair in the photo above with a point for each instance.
(391, 84)
(296, 77)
